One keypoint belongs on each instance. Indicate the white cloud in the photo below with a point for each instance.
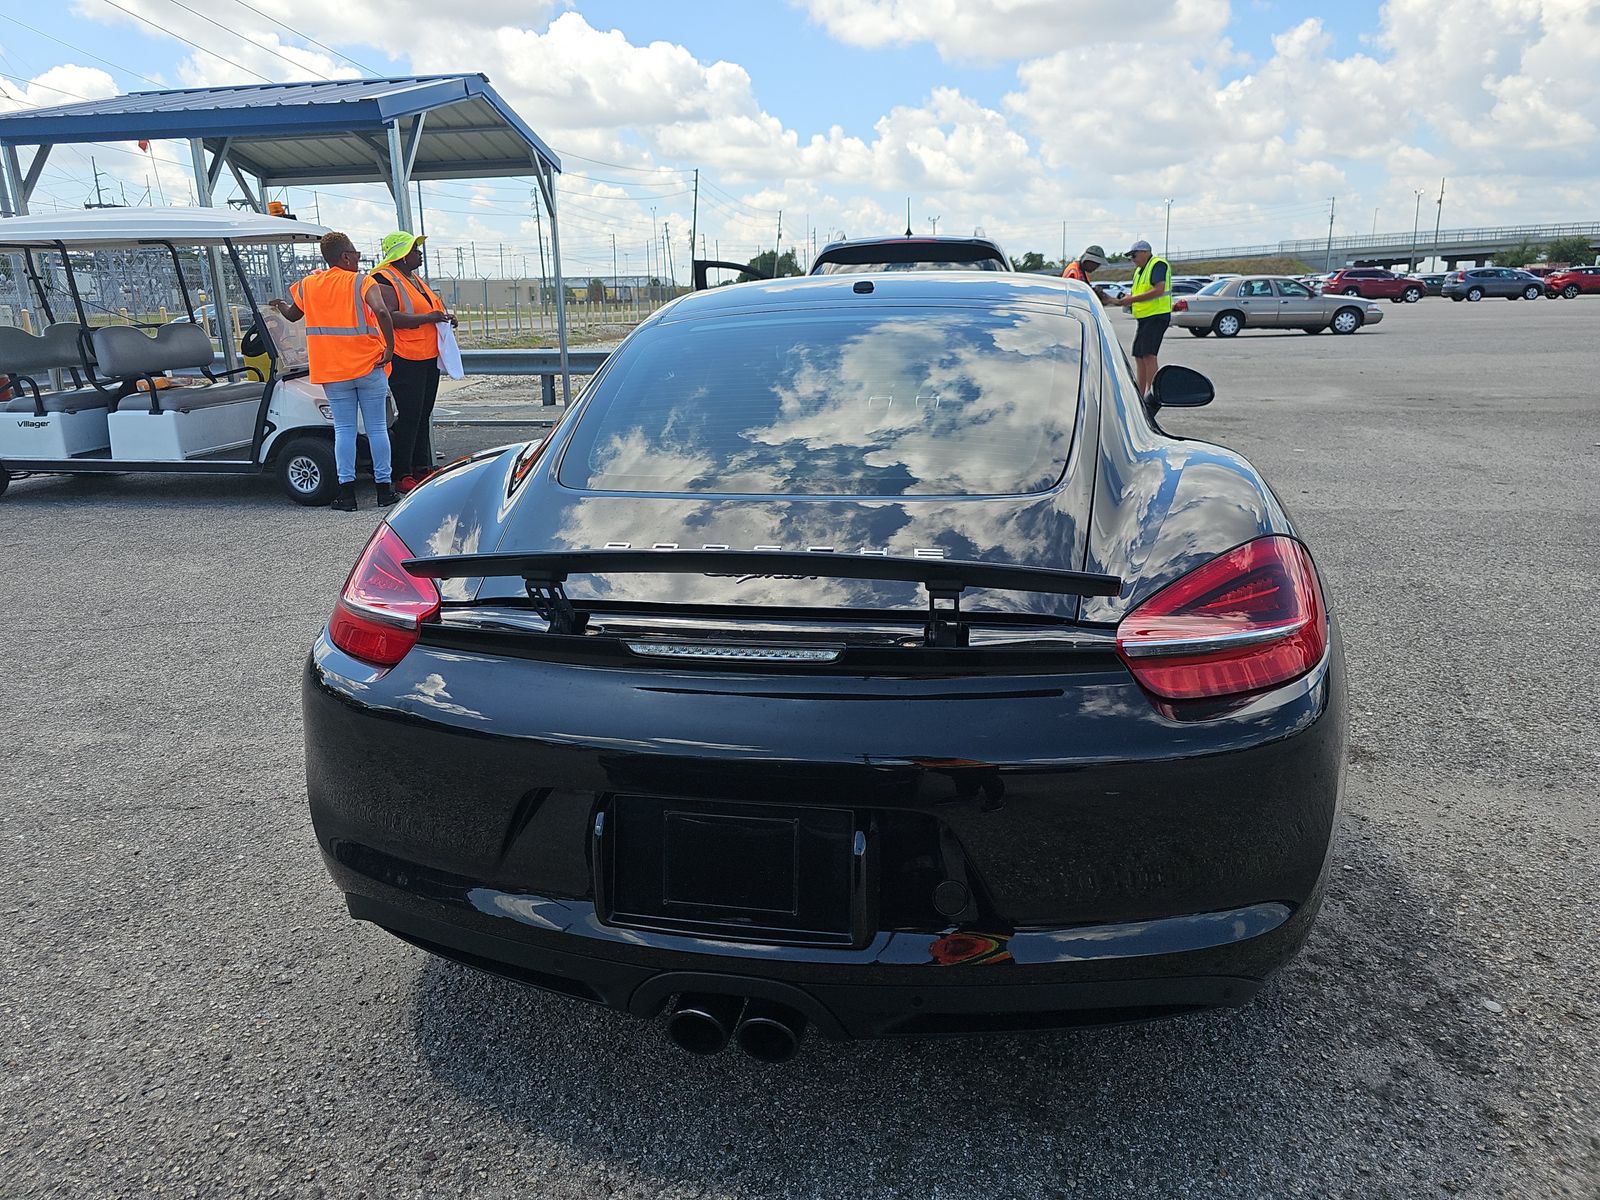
(990, 30)
(66, 84)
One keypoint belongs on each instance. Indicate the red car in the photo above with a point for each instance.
(1374, 283)
(1572, 282)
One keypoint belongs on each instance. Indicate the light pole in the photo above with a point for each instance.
(934, 221)
(1416, 216)
(1166, 238)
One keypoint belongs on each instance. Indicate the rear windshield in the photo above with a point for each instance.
(1215, 286)
(871, 257)
(871, 402)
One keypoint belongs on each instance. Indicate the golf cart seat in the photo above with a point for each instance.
(172, 423)
(37, 422)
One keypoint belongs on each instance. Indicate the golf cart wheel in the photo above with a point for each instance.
(1346, 320)
(1411, 295)
(1475, 295)
(306, 471)
(1228, 324)
(1530, 292)
(1570, 292)
(1199, 332)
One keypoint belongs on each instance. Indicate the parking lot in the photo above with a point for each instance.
(189, 1011)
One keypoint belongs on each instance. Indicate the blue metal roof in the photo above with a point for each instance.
(317, 132)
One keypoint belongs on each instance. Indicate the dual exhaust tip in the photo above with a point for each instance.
(704, 1023)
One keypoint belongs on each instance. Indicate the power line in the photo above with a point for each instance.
(79, 49)
(308, 38)
(299, 66)
(172, 33)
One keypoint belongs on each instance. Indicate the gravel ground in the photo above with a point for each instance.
(188, 1011)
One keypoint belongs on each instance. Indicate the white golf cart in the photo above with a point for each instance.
(88, 397)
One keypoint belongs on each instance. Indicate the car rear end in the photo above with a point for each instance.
(827, 739)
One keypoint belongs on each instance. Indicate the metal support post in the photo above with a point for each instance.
(204, 185)
(547, 188)
(399, 177)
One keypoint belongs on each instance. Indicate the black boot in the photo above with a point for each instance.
(386, 495)
(345, 501)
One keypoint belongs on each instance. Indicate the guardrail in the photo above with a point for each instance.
(544, 363)
(1423, 240)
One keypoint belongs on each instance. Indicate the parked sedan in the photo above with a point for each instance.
(1270, 302)
(813, 675)
(1479, 282)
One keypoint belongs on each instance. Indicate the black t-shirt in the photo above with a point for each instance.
(1158, 273)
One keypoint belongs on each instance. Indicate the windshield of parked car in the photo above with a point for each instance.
(1215, 286)
(867, 402)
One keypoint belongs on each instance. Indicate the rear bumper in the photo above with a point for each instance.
(875, 1000)
(1123, 862)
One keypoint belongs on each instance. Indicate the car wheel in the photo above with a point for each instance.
(1200, 332)
(1397, 299)
(5, 480)
(1475, 295)
(1457, 299)
(1530, 292)
(1352, 291)
(1412, 295)
(1228, 324)
(1315, 328)
(1570, 292)
(1346, 320)
(306, 470)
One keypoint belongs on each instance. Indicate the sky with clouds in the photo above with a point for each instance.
(1005, 116)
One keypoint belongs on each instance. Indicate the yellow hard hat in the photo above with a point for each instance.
(398, 245)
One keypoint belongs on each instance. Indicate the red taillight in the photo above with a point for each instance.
(378, 612)
(1180, 306)
(1248, 619)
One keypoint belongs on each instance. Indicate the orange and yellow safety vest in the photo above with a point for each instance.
(343, 340)
(422, 342)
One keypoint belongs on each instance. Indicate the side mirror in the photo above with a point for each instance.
(1179, 387)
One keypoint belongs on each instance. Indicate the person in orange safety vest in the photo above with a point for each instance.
(1085, 265)
(350, 343)
(418, 312)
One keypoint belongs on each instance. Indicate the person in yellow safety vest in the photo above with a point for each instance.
(417, 314)
(349, 342)
(1151, 302)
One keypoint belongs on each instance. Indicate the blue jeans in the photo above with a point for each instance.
(370, 394)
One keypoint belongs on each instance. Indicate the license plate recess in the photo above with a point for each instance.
(794, 875)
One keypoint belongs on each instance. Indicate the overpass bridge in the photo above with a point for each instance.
(1453, 246)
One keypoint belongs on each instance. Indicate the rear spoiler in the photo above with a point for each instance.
(701, 265)
(945, 579)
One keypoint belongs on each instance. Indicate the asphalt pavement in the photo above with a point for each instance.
(186, 1010)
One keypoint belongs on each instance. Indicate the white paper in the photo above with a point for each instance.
(449, 351)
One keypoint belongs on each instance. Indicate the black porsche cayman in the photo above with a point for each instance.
(857, 653)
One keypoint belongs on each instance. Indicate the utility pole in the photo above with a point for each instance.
(1374, 222)
(934, 221)
(1327, 258)
(422, 228)
(1166, 239)
(694, 220)
(1436, 217)
(666, 242)
(616, 287)
(538, 232)
(777, 245)
(1416, 216)
(1063, 245)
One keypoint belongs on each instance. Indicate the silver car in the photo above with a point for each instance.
(1269, 302)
